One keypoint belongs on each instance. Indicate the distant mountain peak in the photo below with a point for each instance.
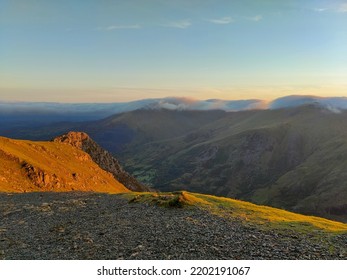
(103, 158)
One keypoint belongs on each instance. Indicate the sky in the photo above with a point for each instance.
(112, 50)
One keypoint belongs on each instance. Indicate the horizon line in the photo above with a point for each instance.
(188, 98)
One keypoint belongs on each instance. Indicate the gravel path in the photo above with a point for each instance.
(100, 226)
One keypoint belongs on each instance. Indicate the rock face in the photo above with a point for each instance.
(102, 157)
(40, 178)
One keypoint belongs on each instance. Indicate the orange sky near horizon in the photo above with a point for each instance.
(105, 95)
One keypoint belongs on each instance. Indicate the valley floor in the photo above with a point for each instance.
(101, 226)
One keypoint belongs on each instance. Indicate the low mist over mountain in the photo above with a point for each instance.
(15, 115)
(46, 112)
(332, 103)
(19, 116)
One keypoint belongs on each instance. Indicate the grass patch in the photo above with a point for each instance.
(271, 217)
(263, 216)
(178, 199)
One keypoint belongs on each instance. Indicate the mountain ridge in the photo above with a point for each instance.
(103, 158)
(46, 166)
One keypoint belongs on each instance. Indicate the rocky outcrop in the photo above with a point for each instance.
(102, 157)
(40, 178)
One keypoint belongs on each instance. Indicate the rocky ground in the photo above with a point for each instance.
(100, 226)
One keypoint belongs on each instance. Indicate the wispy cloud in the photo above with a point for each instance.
(223, 20)
(255, 18)
(119, 27)
(342, 8)
(320, 10)
(185, 23)
(113, 27)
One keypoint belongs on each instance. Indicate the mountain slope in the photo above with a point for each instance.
(102, 157)
(292, 158)
(27, 166)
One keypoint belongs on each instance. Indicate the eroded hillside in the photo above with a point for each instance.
(103, 158)
(27, 166)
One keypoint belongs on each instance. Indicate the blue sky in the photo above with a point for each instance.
(104, 50)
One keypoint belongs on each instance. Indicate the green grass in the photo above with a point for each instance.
(263, 216)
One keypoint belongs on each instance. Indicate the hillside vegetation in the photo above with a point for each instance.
(263, 216)
(27, 166)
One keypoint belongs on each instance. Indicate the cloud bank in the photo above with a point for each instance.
(93, 111)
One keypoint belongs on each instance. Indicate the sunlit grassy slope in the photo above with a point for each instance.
(46, 166)
(248, 212)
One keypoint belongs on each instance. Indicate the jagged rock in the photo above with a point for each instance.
(38, 177)
(102, 157)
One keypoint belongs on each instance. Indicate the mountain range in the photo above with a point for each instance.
(49, 111)
(294, 158)
(290, 156)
